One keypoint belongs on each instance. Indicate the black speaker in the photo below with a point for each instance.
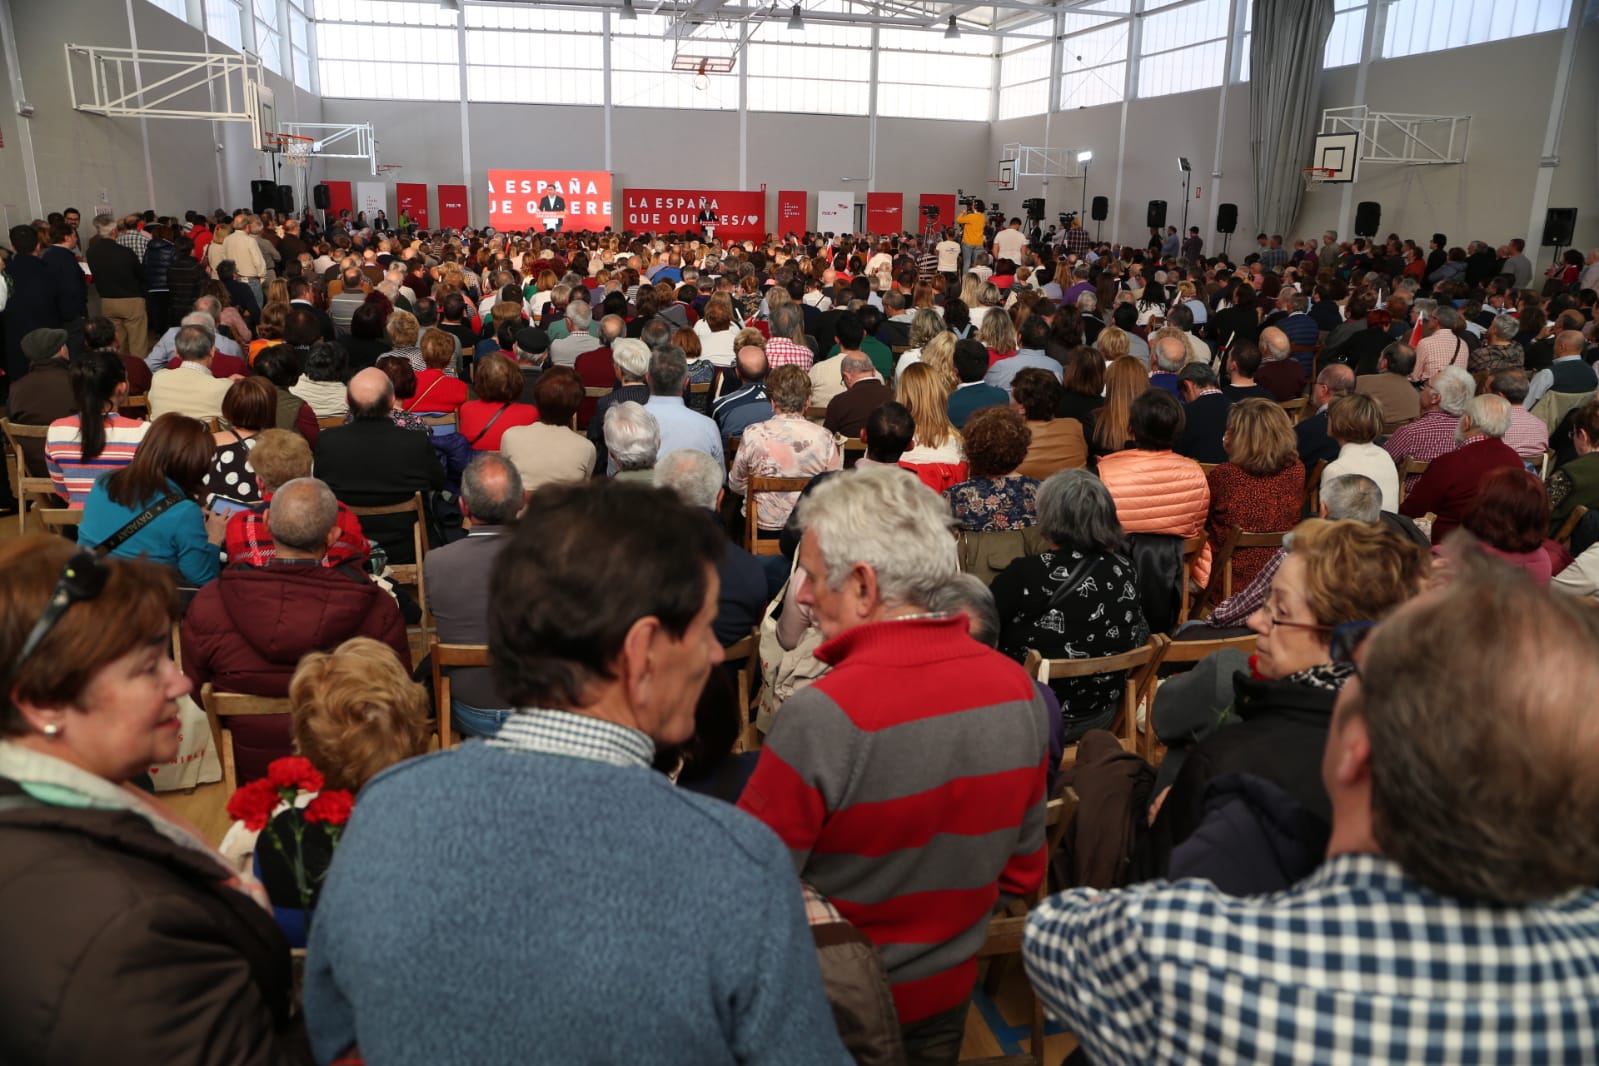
(1157, 214)
(285, 204)
(263, 196)
(1368, 218)
(1227, 218)
(1101, 209)
(1559, 224)
(322, 196)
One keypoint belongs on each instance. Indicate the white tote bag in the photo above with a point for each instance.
(196, 762)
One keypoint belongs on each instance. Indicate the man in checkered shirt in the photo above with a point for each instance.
(1454, 919)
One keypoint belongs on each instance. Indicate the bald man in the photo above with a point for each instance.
(1279, 375)
(372, 462)
(1569, 372)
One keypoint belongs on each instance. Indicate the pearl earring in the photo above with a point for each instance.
(52, 730)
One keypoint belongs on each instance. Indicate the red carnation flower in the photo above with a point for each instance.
(294, 772)
(330, 808)
(254, 803)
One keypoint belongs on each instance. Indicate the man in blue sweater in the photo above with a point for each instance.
(545, 896)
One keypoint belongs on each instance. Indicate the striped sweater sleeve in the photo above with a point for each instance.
(804, 770)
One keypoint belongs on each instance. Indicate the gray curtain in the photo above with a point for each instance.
(1285, 59)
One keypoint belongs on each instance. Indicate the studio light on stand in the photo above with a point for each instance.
(1188, 175)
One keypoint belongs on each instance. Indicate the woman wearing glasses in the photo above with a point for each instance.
(1335, 574)
(130, 938)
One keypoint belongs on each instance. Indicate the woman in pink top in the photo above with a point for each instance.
(785, 445)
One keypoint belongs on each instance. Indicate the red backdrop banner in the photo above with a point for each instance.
(944, 201)
(340, 197)
(884, 211)
(452, 207)
(550, 199)
(412, 199)
(791, 213)
(739, 215)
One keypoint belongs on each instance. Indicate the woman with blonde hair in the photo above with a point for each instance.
(925, 325)
(988, 298)
(998, 335)
(1113, 343)
(1125, 380)
(923, 392)
(939, 354)
(1260, 487)
(971, 287)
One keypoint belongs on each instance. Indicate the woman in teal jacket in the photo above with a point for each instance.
(171, 462)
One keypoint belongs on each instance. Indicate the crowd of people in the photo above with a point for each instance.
(1359, 470)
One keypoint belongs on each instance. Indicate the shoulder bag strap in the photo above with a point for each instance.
(1073, 579)
(1459, 344)
(431, 386)
(488, 425)
(138, 522)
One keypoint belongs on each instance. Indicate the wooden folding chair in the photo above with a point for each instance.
(1312, 501)
(37, 491)
(1221, 563)
(1138, 668)
(1003, 945)
(854, 451)
(816, 414)
(746, 653)
(408, 573)
(1408, 469)
(331, 421)
(220, 705)
(1295, 408)
(444, 656)
(137, 407)
(1193, 547)
(754, 543)
(594, 392)
(1569, 526)
(56, 519)
(447, 418)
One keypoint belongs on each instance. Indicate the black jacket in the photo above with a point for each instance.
(375, 462)
(1252, 839)
(118, 274)
(1205, 420)
(184, 278)
(68, 287)
(1280, 733)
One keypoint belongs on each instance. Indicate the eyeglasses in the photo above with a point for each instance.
(1347, 639)
(1284, 623)
(82, 578)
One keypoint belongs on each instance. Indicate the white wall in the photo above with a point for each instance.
(96, 163)
(1489, 197)
(664, 148)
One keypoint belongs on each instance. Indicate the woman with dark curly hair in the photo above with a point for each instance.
(994, 496)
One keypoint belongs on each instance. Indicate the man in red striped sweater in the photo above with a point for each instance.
(908, 783)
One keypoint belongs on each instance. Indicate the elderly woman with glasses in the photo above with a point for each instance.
(1335, 574)
(138, 941)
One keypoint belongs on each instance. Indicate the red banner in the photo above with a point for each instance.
(791, 213)
(739, 215)
(340, 198)
(412, 200)
(944, 201)
(884, 211)
(551, 200)
(452, 207)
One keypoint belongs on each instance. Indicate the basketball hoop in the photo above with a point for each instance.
(295, 149)
(1315, 177)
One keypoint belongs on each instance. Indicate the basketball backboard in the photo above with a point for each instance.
(263, 115)
(1337, 153)
(1007, 175)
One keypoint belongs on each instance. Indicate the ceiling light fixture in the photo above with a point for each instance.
(794, 20)
(954, 31)
(628, 14)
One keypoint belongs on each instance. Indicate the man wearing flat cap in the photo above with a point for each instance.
(44, 393)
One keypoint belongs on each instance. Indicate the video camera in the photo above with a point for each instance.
(1066, 219)
(965, 201)
(930, 211)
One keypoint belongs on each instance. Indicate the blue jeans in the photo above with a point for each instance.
(257, 291)
(475, 721)
(969, 256)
